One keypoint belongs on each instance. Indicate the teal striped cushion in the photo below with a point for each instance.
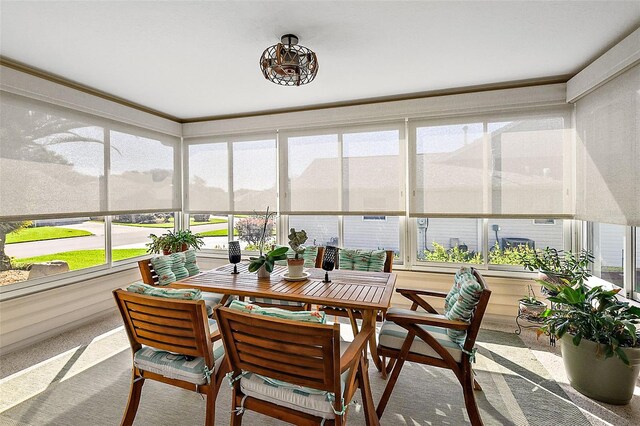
(176, 366)
(276, 302)
(162, 266)
(362, 260)
(464, 302)
(190, 262)
(304, 316)
(169, 293)
(309, 256)
(178, 266)
(393, 336)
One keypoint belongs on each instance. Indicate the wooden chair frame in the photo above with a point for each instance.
(411, 323)
(147, 272)
(302, 354)
(178, 326)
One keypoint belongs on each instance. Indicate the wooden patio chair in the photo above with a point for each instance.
(294, 371)
(158, 330)
(149, 276)
(421, 337)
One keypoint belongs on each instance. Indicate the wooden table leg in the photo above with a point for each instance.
(369, 317)
(370, 416)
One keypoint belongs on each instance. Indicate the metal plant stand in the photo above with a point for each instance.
(525, 320)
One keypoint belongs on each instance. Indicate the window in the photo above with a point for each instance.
(544, 221)
(214, 230)
(248, 229)
(508, 238)
(374, 218)
(372, 234)
(637, 262)
(74, 243)
(321, 230)
(130, 233)
(608, 242)
(447, 240)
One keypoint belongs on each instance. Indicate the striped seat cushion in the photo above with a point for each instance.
(304, 316)
(392, 336)
(275, 302)
(211, 300)
(308, 400)
(176, 366)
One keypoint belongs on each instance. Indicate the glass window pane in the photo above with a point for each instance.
(638, 260)
(130, 233)
(450, 174)
(608, 247)
(77, 243)
(372, 232)
(449, 240)
(214, 230)
(510, 237)
(254, 175)
(248, 230)
(208, 177)
(321, 230)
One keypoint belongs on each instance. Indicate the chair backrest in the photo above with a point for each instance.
(478, 313)
(172, 325)
(147, 272)
(295, 352)
(388, 262)
(319, 256)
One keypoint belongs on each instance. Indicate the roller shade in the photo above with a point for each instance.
(346, 171)
(496, 165)
(56, 162)
(231, 175)
(608, 160)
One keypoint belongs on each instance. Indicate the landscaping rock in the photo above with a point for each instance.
(46, 269)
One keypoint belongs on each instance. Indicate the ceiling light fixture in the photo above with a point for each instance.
(289, 64)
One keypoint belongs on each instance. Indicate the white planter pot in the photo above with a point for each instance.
(262, 272)
(296, 267)
(609, 380)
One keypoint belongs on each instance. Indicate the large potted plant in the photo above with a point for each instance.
(263, 264)
(599, 340)
(173, 242)
(296, 241)
(556, 268)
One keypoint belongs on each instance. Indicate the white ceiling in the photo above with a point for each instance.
(194, 59)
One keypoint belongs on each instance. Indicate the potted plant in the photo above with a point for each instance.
(556, 267)
(530, 307)
(263, 264)
(296, 241)
(174, 242)
(599, 341)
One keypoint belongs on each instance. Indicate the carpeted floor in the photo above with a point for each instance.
(88, 385)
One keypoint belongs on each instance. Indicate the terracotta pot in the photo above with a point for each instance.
(296, 267)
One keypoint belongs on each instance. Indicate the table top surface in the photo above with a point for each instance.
(347, 289)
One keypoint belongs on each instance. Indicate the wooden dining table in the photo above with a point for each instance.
(358, 292)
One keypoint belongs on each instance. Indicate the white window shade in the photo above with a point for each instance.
(608, 166)
(348, 171)
(232, 175)
(507, 165)
(54, 162)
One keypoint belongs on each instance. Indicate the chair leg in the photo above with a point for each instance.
(134, 400)
(469, 396)
(476, 385)
(389, 388)
(365, 391)
(210, 413)
(236, 417)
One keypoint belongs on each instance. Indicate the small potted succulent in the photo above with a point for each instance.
(263, 264)
(296, 241)
(530, 307)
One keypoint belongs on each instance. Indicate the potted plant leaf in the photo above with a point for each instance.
(296, 241)
(263, 264)
(173, 242)
(599, 341)
(556, 267)
(530, 307)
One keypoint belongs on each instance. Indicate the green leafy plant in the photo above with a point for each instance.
(268, 259)
(560, 268)
(455, 254)
(158, 244)
(296, 241)
(173, 242)
(593, 314)
(510, 255)
(530, 298)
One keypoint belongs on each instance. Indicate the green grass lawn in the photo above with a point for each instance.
(44, 233)
(80, 259)
(217, 233)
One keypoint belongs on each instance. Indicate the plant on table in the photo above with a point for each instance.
(296, 241)
(263, 264)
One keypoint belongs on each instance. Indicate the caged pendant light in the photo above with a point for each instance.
(288, 63)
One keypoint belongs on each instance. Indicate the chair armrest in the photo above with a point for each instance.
(407, 291)
(422, 320)
(354, 351)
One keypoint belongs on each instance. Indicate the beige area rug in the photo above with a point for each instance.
(89, 384)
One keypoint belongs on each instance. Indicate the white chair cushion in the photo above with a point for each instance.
(211, 300)
(301, 398)
(176, 366)
(393, 336)
(275, 302)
